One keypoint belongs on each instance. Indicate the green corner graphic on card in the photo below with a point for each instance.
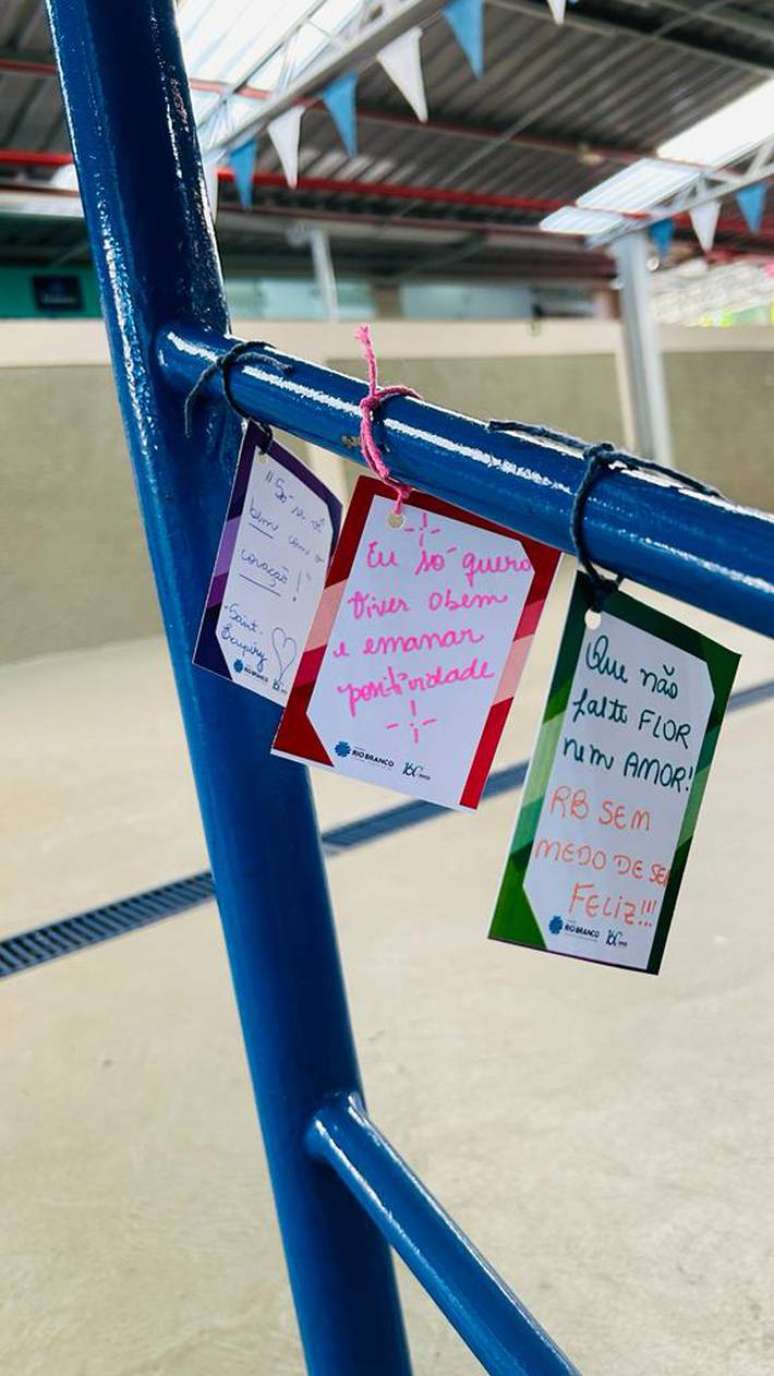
(615, 785)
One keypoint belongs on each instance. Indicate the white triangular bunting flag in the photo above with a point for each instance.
(285, 134)
(557, 8)
(704, 219)
(402, 63)
(210, 163)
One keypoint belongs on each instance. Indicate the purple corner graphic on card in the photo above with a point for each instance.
(280, 530)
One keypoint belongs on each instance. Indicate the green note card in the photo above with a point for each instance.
(615, 784)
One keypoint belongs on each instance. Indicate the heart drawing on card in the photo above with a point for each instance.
(286, 649)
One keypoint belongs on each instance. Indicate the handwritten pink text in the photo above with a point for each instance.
(475, 565)
(426, 640)
(392, 684)
(365, 604)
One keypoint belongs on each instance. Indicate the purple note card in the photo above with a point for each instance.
(280, 530)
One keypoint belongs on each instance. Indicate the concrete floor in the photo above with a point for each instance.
(604, 1137)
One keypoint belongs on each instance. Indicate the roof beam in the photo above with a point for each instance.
(555, 250)
(373, 191)
(594, 19)
(26, 157)
(727, 17)
(437, 262)
(516, 256)
(397, 192)
(583, 151)
(518, 237)
(28, 64)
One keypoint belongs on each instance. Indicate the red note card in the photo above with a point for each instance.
(417, 647)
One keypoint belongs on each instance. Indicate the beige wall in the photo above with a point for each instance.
(75, 569)
(722, 414)
(576, 393)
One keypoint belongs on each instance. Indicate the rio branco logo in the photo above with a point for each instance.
(343, 749)
(560, 924)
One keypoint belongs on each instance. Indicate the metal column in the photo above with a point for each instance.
(644, 365)
(325, 277)
(145, 203)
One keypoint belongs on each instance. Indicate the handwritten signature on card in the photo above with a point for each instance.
(279, 513)
(275, 547)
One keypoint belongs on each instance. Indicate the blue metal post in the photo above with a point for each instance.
(145, 203)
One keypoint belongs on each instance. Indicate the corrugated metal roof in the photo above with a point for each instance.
(557, 111)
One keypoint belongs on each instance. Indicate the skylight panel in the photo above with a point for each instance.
(203, 103)
(65, 178)
(712, 142)
(728, 133)
(573, 220)
(221, 40)
(640, 185)
(226, 41)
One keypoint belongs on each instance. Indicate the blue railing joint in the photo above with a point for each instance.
(498, 1329)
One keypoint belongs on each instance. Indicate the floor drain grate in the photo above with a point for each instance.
(87, 929)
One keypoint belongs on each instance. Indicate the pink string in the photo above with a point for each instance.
(369, 405)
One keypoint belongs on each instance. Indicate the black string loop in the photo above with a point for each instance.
(598, 459)
(538, 432)
(259, 350)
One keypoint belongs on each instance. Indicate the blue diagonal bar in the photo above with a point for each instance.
(497, 1328)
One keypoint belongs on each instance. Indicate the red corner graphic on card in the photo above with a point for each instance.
(417, 647)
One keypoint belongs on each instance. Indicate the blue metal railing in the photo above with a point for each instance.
(702, 549)
(342, 1195)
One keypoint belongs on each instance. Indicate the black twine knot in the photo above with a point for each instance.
(601, 458)
(256, 348)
